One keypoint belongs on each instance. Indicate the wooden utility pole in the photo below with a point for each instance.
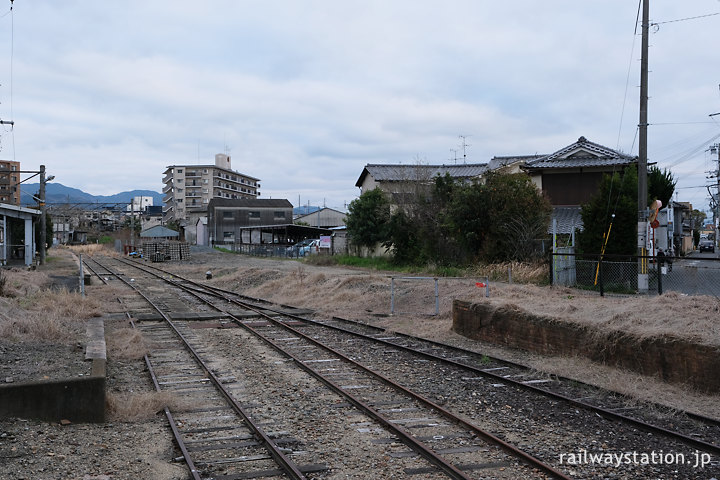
(642, 154)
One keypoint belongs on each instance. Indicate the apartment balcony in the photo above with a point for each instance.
(192, 174)
(168, 198)
(167, 188)
(167, 178)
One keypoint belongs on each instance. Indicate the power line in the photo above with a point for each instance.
(685, 19)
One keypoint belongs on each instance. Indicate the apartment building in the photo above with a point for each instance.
(188, 190)
(9, 182)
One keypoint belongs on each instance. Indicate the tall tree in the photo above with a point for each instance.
(499, 218)
(661, 185)
(610, 217)
(368, 219)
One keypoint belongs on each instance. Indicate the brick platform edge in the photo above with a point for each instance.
(670, 359)
(77, 399)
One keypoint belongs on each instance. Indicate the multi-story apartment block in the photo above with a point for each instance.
(188, 189)
(9, 182)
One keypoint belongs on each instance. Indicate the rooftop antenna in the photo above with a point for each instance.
(226, 149)
(464, 147)
(454, 151)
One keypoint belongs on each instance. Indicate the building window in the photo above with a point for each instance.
(279, 215)
(228, 235)
(254, 215)
(227, 214)
(179, 170)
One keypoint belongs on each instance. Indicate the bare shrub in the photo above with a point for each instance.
(136, 407)
(520, 272)
(93, 248)
(3, 281)
(126, 344)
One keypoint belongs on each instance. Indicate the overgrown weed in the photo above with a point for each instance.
(136, 407)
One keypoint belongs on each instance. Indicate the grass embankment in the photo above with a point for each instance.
(535, 273)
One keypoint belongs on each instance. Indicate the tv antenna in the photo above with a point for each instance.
(464, 146)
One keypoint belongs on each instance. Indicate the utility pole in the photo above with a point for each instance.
(643, 284)
(715, 200)
(43, 221)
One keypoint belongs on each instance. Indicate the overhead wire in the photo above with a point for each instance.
(685, 19)
(12, 55)
(627, 79)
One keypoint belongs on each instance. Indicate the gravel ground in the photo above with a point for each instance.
(141, 447)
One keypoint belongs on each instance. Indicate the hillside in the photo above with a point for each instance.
(58, 193)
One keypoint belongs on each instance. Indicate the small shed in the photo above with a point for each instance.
(159, 232)
(17, 223)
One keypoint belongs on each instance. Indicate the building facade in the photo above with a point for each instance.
(9, 182)
(322, 218)
(188, 189)
(234, 220)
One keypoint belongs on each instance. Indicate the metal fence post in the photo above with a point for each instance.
(551, 265)
(658, 269)
(437, 298)
(600, 275)
(82, 278)
(392, 295)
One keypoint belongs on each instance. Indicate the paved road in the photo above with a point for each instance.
(696, 274)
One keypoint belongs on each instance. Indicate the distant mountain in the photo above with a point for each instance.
(305, 210)
(59, 193)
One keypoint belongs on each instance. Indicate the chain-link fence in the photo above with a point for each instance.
(696, 274)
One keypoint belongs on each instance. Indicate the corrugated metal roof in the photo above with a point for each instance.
(399, 173)
(582, 153)
(158, 231)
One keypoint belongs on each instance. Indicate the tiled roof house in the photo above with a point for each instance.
(572, 175)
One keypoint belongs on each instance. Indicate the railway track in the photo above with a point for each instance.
(437, 412)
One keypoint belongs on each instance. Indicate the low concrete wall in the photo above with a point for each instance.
(668, 358)
(77, 400)
(74, 399)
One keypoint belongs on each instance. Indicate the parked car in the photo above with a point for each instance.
(301, 248)
(706, 245)
(309, 249)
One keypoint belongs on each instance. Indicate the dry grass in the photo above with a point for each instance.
(43, 314)
(534, 273)
(136, 407)
(693, 318)
(127, 344)
(20, 282)
(93, 249)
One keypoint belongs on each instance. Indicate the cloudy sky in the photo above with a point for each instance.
(303, 94)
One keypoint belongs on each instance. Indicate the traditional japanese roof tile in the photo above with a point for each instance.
(582, 153)
(499, 162)
(568, 219)
(400, 173)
